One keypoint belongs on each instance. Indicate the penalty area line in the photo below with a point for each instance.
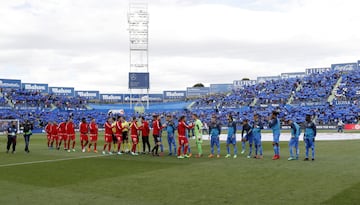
(50, 160)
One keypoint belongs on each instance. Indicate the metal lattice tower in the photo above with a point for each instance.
(138, 19)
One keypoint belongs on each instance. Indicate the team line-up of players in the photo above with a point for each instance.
(116, 133)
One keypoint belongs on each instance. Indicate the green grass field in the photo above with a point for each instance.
(334, 178)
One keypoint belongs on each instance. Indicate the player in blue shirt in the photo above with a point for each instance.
(214, 130)
(256, 131)
(11, 132)
(231, 138)
(160, 140)
(248, 137)
(294, 140)
(274, 124)
(309, 137)
(170, 129)
(243, 141)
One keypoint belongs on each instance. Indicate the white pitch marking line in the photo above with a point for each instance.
(50, 160)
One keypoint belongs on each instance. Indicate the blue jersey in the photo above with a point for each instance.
(214, 129)
(257, 127)
(295, 130)
(310, 130)
(170, 128)
(275, 126)
(231, 129)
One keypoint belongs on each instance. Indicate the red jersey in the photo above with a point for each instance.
(93, 128)
(134, 129)
(145, 129)
(108, 129)
(62, 128)
(70, 128)
(84, 128)
(54, 130)
(156, 127)
(182, 126)
(48, 128)
(119, 128)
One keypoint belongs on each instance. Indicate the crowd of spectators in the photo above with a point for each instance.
(316, 88)
(34, 99)
(310, 96)
(349, 88)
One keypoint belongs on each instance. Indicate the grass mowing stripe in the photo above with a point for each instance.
(50, 160)
(347, 196)
(330, 179)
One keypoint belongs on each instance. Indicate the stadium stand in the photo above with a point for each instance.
(292, 97)
(3, 102)
(349, 88)
(276, 92)
(310, 96)
(19, 98)
(316, 88)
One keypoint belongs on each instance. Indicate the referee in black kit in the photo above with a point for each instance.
(28, 127)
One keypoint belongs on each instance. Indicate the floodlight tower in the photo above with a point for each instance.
(138, 19)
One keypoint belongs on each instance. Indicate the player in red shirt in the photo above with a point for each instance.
(108, 135)
(156, 134)
(54, 135)
(84, 130)
(48, 128)
(62, 134)
(93, 134)
(134, 135)
(145, 131)
(183, 141)
(118, 133)
(70, 130)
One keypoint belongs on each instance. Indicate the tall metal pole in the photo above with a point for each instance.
(138, 19)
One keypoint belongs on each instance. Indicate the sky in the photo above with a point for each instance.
(85, 43)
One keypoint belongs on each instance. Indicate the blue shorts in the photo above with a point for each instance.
(231, 140)
(309, 143)
(249, 138)
(276, 138)
(257, 140)
(294, 142)
(215, 141)
(171, 139)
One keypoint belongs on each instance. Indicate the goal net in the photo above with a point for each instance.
(139, 108)
(5, 123)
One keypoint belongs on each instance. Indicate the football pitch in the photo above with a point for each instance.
(56, 177)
